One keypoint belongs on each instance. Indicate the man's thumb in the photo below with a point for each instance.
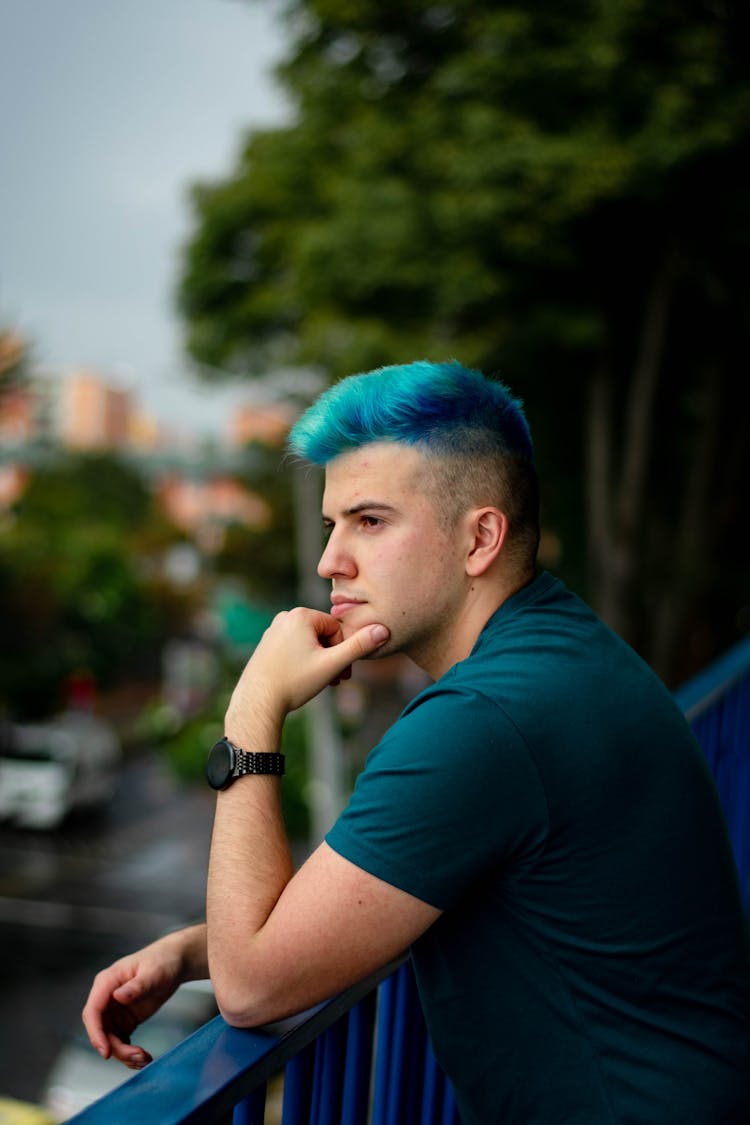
(367, 640)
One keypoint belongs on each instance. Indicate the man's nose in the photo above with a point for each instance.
(335, 560)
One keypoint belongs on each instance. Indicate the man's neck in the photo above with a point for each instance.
(483, 601)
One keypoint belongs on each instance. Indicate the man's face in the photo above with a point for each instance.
(388, 560)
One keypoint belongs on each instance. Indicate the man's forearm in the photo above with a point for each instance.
(249, 865)
(190, 942)
(270, 947)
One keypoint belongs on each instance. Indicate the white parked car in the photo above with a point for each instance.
(49, 769)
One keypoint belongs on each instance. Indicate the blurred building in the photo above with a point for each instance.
(268, 424)
(206, 508)
(94, 414)
(86, 412)
(145, 433)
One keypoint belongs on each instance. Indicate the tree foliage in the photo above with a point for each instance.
(554, 193)
(75, 595)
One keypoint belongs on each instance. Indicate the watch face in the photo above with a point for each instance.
(220, 764)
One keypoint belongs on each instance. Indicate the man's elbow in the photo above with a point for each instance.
(242, 1008)
(245, 1005)
(241, 1016)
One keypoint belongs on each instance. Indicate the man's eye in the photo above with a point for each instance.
(327, 529)
(371, 521)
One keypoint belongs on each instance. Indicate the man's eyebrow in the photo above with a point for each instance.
(365, 505)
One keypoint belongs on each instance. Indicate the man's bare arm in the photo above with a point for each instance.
(279, 942)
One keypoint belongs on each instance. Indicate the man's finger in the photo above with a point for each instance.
(129, 991)
(362, 643)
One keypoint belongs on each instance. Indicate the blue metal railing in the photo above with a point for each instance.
(716, 703)
(364, 1056)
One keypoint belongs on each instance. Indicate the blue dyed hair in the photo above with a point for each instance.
(470, 429)
(444, 408)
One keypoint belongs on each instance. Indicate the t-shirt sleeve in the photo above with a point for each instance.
(450, 795)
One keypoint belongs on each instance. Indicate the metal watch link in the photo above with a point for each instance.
(226, 762)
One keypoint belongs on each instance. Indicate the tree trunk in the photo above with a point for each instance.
(598, 462)
(690, 547)
(618, 551)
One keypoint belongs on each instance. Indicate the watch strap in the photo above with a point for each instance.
(256, 762)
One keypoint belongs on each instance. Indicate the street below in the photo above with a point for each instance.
(73, 900)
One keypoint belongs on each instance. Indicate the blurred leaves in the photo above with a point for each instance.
(76, 593)
(439, 162)
(94, 488)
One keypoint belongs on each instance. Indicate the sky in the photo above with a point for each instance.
(109, 112)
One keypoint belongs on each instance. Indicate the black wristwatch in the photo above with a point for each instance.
(226, 762)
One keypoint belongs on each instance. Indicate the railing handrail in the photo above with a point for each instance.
(201, 1079)
(700, 692)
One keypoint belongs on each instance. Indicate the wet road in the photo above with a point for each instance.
(73, 900)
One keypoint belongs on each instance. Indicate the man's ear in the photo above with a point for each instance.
(489, 529)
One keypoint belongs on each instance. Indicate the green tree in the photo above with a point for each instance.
(75, 593)
(98, 486)
(264, 557)
(554, 194)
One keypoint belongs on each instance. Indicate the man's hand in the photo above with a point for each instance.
(136, 986)
(301, 652)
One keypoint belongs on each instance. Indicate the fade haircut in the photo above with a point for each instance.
(471, 430)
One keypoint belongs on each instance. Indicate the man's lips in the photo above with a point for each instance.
(341, 604)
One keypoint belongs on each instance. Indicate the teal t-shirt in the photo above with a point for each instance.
(591, 965)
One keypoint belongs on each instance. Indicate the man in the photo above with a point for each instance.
(538, 826)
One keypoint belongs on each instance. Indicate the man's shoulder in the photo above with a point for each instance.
(544, 652)
(545, 626)
(439, 720)
(544, 605)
